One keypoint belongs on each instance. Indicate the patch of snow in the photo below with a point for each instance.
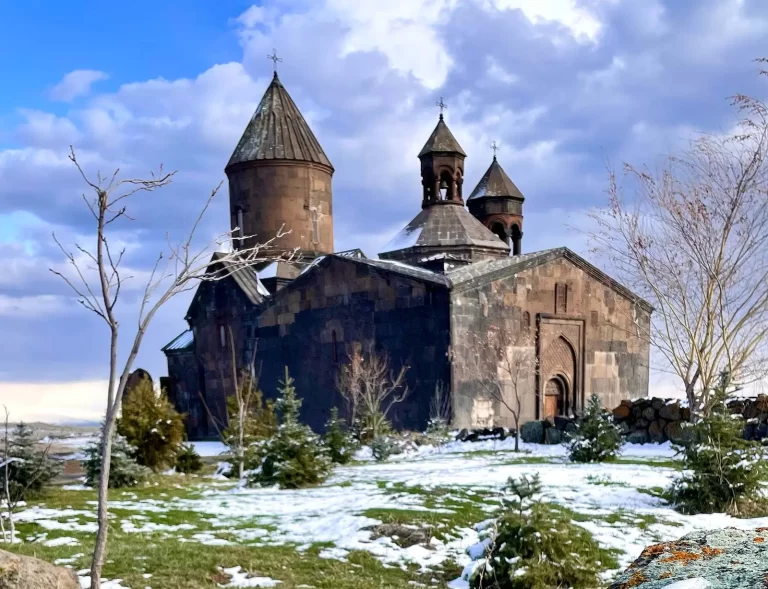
(695, 583)
(63, 541)
(77, 488)
(240, 578)
(207, 449)
(405, 239)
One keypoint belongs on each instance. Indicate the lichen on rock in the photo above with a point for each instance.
(716, 559)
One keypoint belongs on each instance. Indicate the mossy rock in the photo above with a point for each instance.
(532, 432)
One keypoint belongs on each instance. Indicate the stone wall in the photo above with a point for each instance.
(561, 303)
(309, 325)
(296, 196)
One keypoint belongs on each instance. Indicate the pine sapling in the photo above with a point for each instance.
(596, 439)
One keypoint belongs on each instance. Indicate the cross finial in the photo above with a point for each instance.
(495, 148)
(274, 59)
(442, 106)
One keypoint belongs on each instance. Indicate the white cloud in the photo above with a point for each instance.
(77, 83)
(581, 22)
(54, 402)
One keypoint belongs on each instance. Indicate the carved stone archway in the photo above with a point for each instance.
(560, 351)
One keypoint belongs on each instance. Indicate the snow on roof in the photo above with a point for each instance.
(268, 271)
(408, 237)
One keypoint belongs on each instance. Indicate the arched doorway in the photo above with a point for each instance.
(555, 395)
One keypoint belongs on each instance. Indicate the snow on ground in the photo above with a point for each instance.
(209, 448)
(620, 514)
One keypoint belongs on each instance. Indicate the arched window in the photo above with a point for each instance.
(334, 347)
(222, 336)
(526, 321)
(446, 185)
(499, 231)
(561, 297)
(315, 228)
(517, 239)
(240, 229)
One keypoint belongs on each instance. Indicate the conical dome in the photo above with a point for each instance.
(496, 183)
(442, 141)
(278, 131)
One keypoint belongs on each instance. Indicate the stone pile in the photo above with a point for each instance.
(755, 411)
(651, 420)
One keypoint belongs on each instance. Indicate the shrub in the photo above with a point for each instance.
(532, 432)
(383, 447)
(150, 424)
(188, 460)
(124, 470)
(339, 441)
(721, 470)
(29, 470)
(438, 432)
(596, 438)
(294, 456)
(259, 422)
(535, 546)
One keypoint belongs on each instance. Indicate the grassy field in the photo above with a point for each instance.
(404, 523)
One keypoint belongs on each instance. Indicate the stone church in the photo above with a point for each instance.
(455, 273)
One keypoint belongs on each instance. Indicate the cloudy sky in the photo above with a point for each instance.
(564, 86)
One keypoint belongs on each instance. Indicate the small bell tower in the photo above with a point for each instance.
(442, 166)
(498, 204)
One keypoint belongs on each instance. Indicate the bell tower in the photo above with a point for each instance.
(442, 166)
(498, 204)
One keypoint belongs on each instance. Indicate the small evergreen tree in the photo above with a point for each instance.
(720, 468)
(29, 469)
(188, 461)
(124, 470)
(534, 546)
(596, 438)
(294, 456)
(150, 424)
(339, 441)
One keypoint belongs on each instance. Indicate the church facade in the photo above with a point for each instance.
(455, 273)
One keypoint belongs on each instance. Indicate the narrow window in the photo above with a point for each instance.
(526, 321)
(561, 297)
(240, 230)
(334, 351)
(315, 230)
(222, 336)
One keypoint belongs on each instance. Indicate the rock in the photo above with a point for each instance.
(621, 412)
(561, 423)
(671, 412)
(637, 411)
(656, 432)
(627, 403)
(686, 413)
(402, 535)
(623, 428)
(462, 435)
(749, 432)
(721, 559)
(649, 414)
(25, 572)
(761, 431)
(499, 432)
(532, 432)
(674, 432)
(762, 403)
(642, 423)
(638, 437)
(657, 403)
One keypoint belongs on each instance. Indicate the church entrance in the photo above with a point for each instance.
(555, 394)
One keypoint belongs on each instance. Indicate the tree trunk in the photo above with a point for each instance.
(517, 435)
(101, 536)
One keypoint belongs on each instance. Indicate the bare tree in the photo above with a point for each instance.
(501, 365)
(371, 388)
(181, 270)
(694, 242)
(6, 483)
(440, 405)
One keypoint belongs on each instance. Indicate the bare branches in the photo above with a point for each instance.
(371, 388)
(98, 279)
(693, 241)
(501, 366)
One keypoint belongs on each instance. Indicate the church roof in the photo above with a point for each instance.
(278, 131)
(442, 141)
(183, 341)
(495, 182)
(444, 226)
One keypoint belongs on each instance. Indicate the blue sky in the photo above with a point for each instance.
(564, 86)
